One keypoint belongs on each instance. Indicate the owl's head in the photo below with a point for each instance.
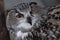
(22, 17)
(25, 15)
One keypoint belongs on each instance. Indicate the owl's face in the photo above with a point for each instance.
(24, 19)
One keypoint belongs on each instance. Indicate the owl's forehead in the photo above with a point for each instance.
(23, 11)
(22, 7)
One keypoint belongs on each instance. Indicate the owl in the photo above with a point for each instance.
(23, 19)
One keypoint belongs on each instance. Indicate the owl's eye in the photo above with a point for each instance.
(19, 15)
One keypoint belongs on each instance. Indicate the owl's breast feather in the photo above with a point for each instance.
(25, 26)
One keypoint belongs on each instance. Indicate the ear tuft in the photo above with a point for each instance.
(33, 3)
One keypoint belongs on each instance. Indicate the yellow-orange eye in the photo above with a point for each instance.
(18, 16)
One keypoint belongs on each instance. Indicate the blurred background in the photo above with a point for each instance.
(8, 4)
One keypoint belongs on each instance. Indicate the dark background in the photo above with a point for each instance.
(10, 3)
(3, 31)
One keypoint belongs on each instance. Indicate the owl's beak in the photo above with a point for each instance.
(29, 20)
